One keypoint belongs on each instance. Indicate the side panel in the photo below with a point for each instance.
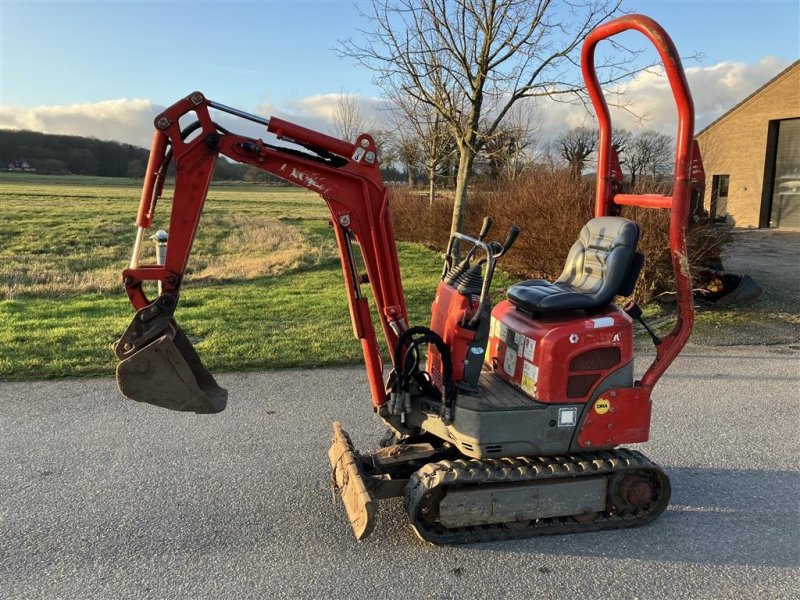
(558, 359)
(449, 309)
(618, 416)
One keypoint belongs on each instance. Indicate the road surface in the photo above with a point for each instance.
(104, 498)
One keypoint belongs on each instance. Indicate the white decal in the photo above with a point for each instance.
(567, 417)
(530, 347)
(530, 370)
(306, 179)
(503, 332)
(510, 362)
(476, 350)
(573, 339)
(519, 340)
(615, 338)
(603, 322)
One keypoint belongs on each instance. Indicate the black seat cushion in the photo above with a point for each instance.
(602, 264)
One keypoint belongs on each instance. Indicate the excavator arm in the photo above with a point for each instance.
(159, 365)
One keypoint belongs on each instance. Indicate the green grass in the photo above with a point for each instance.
(65, 240)
(59, 232)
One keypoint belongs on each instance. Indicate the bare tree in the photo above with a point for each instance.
(649, 154)
(620, 140)
(434, 139)
(408, 153)
(348, 122)
(576, 146)
(508, 149)
(471, 60)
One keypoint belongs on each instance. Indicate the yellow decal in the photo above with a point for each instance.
(528, 385)
(601, 406)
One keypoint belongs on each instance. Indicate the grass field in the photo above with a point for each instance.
(264, 287)
(65, 241)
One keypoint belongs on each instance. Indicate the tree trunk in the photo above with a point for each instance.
(410, 173)
(431, 186)
(465, 159)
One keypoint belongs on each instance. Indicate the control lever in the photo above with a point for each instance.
(485, 227)
(463, 265)
(513, 234)
(634, 311)
(498, 250)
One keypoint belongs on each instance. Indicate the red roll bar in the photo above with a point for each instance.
(678, 204)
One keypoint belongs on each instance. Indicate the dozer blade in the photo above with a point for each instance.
(358, 502)
(161, 367)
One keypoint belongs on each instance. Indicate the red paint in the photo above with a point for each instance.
(627, 420)
(354, 193)
(644, 200)
(284, 130)
(559, 339)
(449, 310)
(685, 151)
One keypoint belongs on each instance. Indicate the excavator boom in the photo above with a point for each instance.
(158, 363)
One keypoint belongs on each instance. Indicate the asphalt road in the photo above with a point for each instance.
(104, 498)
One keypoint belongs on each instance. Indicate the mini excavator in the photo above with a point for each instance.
(503, 421)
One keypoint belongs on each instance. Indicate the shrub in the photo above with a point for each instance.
(551, 207)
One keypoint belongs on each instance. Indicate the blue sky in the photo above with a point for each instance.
(273, 55)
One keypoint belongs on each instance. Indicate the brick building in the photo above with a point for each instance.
(751, 156)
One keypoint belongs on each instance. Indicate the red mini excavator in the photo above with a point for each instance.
(505, 421)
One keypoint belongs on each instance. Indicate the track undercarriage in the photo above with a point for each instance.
(452, 500)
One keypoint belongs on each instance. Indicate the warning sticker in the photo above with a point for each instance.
(519, 340)
(530, 373)
(602, 406)
(510, 362)
(503, 332)
(530, 347)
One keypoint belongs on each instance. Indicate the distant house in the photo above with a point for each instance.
(21, 165)
(751, 156)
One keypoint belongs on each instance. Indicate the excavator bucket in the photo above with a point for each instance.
(349, 482)
(160, 366)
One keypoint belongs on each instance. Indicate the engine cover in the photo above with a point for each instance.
(559, 358)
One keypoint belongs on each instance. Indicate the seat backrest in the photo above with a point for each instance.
(603, 263)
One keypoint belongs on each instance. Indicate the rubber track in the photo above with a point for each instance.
(437, 477)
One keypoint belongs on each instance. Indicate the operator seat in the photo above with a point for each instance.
(602, 264)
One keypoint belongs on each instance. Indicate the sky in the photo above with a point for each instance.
(105, 68)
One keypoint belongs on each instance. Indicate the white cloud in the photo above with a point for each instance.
(129, 121)
(316, 112)
(715, 88)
